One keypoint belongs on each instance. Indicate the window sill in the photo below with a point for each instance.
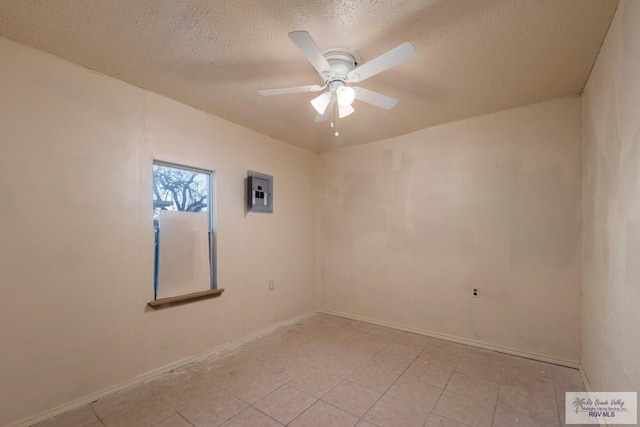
(185, 298)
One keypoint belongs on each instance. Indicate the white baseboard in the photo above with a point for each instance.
(70, 406)
(78, 403)
(587, 385)
(585, 379)
(507, 350)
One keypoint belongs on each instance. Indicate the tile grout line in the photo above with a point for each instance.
(395, 381)
(184, 418)
(343, 379)
(378, 351)
(360, 418)
(295, 388)
(340, 338)
(455, 370)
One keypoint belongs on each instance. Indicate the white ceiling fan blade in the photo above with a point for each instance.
(375, 98)
(286, 90)
(312, 52)
(327, 112)
(389, 59)
(345, 110)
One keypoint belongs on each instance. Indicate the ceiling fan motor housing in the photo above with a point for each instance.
(342, 61)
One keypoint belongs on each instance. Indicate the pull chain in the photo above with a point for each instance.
(334, 121)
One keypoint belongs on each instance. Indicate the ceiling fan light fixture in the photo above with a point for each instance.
(320, 103)
(346, 95)
(345, 110)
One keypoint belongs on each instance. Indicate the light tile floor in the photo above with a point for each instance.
(329, 371)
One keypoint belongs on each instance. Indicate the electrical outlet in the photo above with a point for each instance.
(475, 293)
(272, 285)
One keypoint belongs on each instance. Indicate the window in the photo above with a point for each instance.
(184, 227)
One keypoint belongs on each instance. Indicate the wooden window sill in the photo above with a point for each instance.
(185, 298)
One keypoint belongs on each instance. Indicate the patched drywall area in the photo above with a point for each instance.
(76, 232)
(611, 205)
(410, 225)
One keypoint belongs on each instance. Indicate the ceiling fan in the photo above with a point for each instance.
(338, 68)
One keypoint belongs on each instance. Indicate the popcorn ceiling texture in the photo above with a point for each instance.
(474, 57)
(611, 206)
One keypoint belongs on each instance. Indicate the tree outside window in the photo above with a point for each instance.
(179, 189)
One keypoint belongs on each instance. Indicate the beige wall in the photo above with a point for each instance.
(400, 233)
(611, 194)
(411, 224)
(76, 240)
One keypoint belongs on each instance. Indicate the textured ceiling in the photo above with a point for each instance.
(474, 57)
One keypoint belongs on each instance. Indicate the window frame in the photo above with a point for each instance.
(211, 216)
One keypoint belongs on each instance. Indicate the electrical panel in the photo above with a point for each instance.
(259, 192)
